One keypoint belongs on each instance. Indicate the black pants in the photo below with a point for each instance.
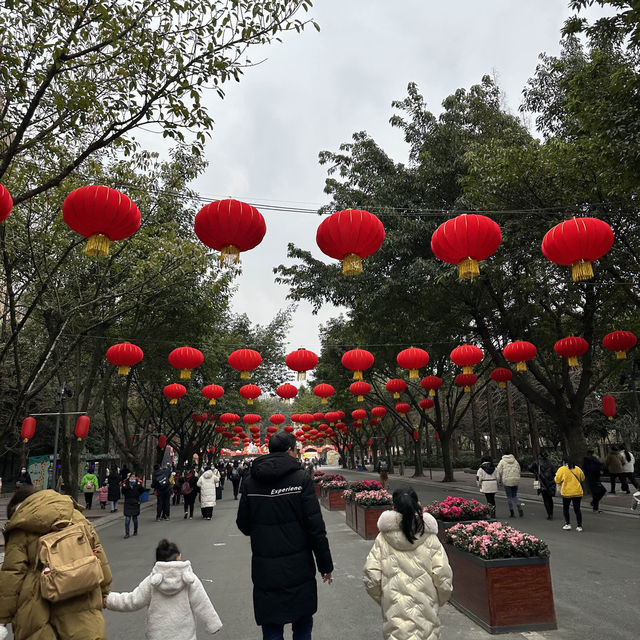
(547, 498)
(595, 491)
(163, 506)
(630, 480)
(189, 502)
(236, 486)
(176, 498)
(207, 512)
(88, 498)
(576, 507)
(623, 481)
(490, 498)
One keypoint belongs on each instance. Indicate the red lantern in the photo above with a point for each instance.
(230, 226)
(250, 392)
(251, 418)
(501, 376)
(350, 235)
(609, 406)
(403, 408)
(520, 352)
(230, 418)
(277, 418)
(620, 342)
(426, 404)
(6, 203)
(289, 429)
(185, 359)
(162, 442)
(174, 391)
(301, 360)
(571, 348)
(466, 380)
(396, 386)
(323, 391)
(287, 392)
(431, 384)
(318, 417)
(255, 431)
(360, 389)
(199, 418)
(379, 412)
(82, 427)
(341, 414)
(466, 240)
(416, 435)
(271, 430)
(413, 359)
(101, 214)
(359, 414)
(213, 392)
(466, 356)
(28, 429)
(219, 428)
(245, 361)
(306, 418)
(332, 417)
(357, 360)
(124, 355)
(578, 242)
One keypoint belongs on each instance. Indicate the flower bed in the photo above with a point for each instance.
(369, 507)
(332, 489)
(457, 509)
(317, 478)
(335, 484)
(350, 496)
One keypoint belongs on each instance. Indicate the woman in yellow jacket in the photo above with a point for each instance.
(570, 478)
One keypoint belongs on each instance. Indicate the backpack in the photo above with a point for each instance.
(163, 483)
(70, 565)
(186, 488)
(235, 473)
(383, 465)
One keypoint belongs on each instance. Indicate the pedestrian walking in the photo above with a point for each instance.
(570, 478)
(174, 597)
(207, 484)
(487, 480)
(279, 510)
(407, 571)
(222, 472)
(177, 485)
(544, 482)
(383, 471)
(31, 514)
(103, 494)
(189, 491)
(114, 489)
(508, 474)
(124, 473)
(89, 485)
(132, 489)
(24, 478)
(235, 475)
(160, 482)
(592, 468)
(628, 464)
(616, 469)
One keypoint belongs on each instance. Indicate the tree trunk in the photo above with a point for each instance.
(493, 444)
(477, 440)
(447, 462)
(417, 456)
(576, 442)
(513, 440)
(533, 428)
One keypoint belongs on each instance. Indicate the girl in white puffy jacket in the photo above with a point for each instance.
(407, 572)
(175, 598)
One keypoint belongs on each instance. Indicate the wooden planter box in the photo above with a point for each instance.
(316, 486)
(367, 520)
(512, 594)
(351, 515)
(444, 525)
(332, 499)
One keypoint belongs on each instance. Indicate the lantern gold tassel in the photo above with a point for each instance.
(351, 265)
(432, 392)
(97, 245)
(185, 374)
(467, 369)
(123, 371)
(360, 398)
(245, 375)
(413, 374)
(357, 375)
(302, 375)
(521, 366)
(501, 385)
(581, 270)
(249, 401)
(396, 395)
(324, 401)
(173, 401)
(212, 401)
(229, 255)
(468, 268)
(621, 355)
(573, 361)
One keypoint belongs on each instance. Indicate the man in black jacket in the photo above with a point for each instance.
(160, 482)
(279, 510)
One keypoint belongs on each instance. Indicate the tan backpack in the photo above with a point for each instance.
(70, 566)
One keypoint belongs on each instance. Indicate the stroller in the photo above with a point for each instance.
(635, 505)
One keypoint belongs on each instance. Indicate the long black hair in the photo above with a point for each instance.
(405, 502)
(627, 455)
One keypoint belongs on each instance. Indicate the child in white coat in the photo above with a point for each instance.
(174, 596)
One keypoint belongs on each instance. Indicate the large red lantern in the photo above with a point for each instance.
(323, 391)
(466, 240)
(230, 419)
(28, 429)
(301, 361)
(620, 342)
(578, 242)
(571, 348)
(162, 442)
(306, 418)
(185, 359)
(609, 406)
(245, 361)
(520, 352)
(466, 356)
(466, 380)
(6, 203)
(431, 384)
(174, 391)
(213, 392)
(250, 392)
(413, 359)
(357, 360)
(350, 235)
(277, 418)
(251, 418)
(403, 408)
(289, 429)
(287, 392)
(230, 226)
(416, 435)
(82, 427)
(359, 414)
(501, 376)
(199, 418)
(396, 386)
(379, 411)
(124, 355)
(426, 404)
(271, 430)
(318, 417)
(360, 389)
(101, 214)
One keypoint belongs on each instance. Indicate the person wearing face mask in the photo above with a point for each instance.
(131, 491)
(24, 478)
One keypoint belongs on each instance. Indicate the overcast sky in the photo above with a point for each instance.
(316, 89)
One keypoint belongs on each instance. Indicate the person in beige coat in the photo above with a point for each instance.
(407, 572)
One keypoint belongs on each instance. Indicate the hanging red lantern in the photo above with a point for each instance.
(578, 242)
(374, 422)
(466, 356)
(213, 392)
(251, 418)
(289, 429)
(245, 361)
(250, 392)
(102, 215)
(295, 417)
(620, 342)
(323, 391)
(466, 380)
(306, 427)
(237, 429)
(230, 419)
(379, 411)
(230, 226)
(571, 348)
(6, 203)
(124, 355)
(403, 408)
(301, 361)
(28, 429)
(162, 442)
(271, 430)
(466, 240)
(396, 386)
(501, 376)
(520, 352)
(359, 414)
(413, 359)
(219, 428)
(332, 417)
(349, 236)
(360, 389)
(431, 384)
(198, 418)
(185, 359)
(609, 406)
(426, 404)
(357, 360)
(255, 431)
(306, 418)
(82, 427)
(416, 435)
(318, 417)
(174, 391)
(287, 392)
(341, 414)
(277, 418)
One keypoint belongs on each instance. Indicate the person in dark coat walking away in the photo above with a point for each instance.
(279, 510)
(113, 494)
(616, 469)
(189, 491)
(235, 475)
(131, 491)
(545, 474)
(24, 479)
(160, 482)
(592, 468)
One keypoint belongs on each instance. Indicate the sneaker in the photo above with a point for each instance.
(185, 516)
(127, 535)
(578, 528)
(567, 527)
(520, 510)
(135, 533)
